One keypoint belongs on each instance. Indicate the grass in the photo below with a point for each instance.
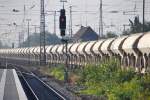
(57, 72)
(108, 80)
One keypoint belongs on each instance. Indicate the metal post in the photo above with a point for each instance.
(42, 35)
(124, 27)
(143, 15)
(86, 23)
(71, 33)
(6, 62)
(101, 20)
(28, 37)
(54, 22)
(23, 25)
(28, 34)
(66, 64)
(63, 1)
(65, 41)
(35, 27)
(19, 39)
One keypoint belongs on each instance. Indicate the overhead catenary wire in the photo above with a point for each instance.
(76, 13)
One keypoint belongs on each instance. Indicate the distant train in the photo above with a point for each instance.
(133, 51)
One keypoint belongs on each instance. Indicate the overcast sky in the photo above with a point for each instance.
(111, 21)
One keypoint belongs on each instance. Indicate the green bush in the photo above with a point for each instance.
(108, 79)
(57, 72)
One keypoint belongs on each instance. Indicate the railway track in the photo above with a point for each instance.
(35, 88)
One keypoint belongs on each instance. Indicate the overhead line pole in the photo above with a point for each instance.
(42, 35)
(124, 27)
(28, 37)
(35, 27)
(101, 20)
(143, 15)
(71, 32)
(86, 22)
(54, 22)
(23, 23)
(19, 36)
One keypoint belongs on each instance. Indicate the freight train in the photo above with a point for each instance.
(132, 51)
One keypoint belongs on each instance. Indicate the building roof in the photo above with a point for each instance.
(85, 34)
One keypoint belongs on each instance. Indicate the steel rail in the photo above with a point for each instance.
(44, 84)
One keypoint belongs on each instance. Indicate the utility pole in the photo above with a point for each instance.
(124, 27)
(135, 9)
(19, 36)
(54, 22)
(63, 1)
(70, 23)
(143, 15)
(24, 14)
(35, 28)
(101, 20)
(86, 13)
(28, 37)
(12, 45)
(23, 24)
(42, 35)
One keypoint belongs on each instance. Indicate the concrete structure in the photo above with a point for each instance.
(10, 86)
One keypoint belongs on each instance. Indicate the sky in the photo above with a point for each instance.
(85, 12)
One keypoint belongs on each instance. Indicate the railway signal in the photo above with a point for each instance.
(62, 27)
(62, 22)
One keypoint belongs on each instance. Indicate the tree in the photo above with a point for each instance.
(136, 27)
(35, 39)
(147, 26)
(3, 46)
(110, 34)
(126, 32)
